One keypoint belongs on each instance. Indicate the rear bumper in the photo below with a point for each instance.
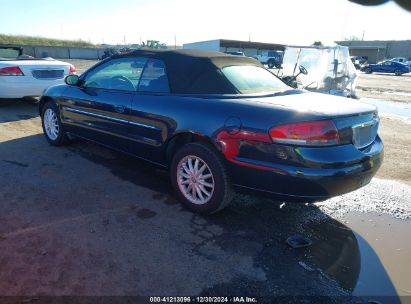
(22, 86)
(321, 173)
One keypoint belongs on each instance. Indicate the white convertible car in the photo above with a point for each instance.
(24, 76)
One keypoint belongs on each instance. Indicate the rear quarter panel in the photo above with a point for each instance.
(207, 116)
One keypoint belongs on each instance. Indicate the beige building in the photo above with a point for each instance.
(378, 50)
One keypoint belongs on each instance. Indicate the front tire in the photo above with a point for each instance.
(52, 126)
(199, 178)
(271, 64)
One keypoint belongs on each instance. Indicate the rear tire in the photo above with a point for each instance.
(368, 71)
(53, 129)
(199, 178)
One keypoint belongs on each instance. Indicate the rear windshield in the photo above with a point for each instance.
(8, 53)
(253, 79)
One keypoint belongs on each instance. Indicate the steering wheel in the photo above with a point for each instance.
(122, 82)
(303, 70)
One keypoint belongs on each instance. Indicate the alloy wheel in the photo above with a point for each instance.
(195, 179)
(51, 124)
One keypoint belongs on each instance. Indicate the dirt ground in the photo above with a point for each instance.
(81, 64)
(385, 86)
(397, 156)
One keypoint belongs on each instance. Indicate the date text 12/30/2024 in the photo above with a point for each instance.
(203, 300)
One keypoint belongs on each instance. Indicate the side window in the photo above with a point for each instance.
(122, 74)
(154, 78)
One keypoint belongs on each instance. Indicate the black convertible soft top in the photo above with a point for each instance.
(195, 71)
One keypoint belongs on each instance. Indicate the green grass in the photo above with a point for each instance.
(24, 40)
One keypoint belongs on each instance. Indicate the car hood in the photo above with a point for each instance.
(316, 103)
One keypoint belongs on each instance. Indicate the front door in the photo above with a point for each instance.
(100, 108)
(148, 128)
(386, 67)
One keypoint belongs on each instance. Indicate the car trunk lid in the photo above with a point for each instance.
(357, 123)
(316, 103)
(40, 69)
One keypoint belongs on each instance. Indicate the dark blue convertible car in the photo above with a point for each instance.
(219, 123)
(387, 66)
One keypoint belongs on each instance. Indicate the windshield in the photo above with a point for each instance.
(253, 79)
(9, 53)
(328, 67)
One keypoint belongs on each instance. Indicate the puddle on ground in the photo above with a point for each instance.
(401, 109)
(367, 254)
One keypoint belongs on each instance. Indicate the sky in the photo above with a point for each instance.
(132, 21)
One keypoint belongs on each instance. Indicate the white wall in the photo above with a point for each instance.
(212, 45)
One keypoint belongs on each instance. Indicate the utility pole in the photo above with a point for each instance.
(249, 37)
(124, 39)
(344, 25)
(175, 41)
(363, 34)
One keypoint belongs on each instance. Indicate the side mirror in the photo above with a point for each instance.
(72, 80)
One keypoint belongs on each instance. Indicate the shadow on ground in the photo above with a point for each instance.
(17, 109)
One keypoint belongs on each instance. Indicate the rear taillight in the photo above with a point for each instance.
(72, 70)
(11, 71)
(315, 133)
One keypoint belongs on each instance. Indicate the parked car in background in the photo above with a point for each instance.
(359, 61)
(387, 66)
(356, 62)
(218, 122)
(271, 58)
(24, 76)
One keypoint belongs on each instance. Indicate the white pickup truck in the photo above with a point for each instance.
(271, 58)
(402, 60)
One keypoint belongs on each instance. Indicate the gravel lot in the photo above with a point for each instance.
(385, 86)
(84, 220)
